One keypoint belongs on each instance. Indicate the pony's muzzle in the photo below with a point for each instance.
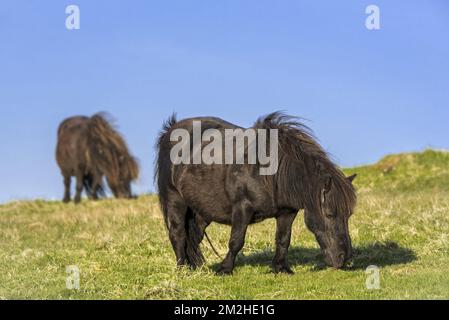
(338, 261)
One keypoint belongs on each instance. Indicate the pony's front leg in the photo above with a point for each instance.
(283, 235)
(240, 221)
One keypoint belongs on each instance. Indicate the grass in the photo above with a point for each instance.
(122, 250)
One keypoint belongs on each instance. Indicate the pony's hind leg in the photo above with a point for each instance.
(241, 217)
(79, 187)
(283, 235)
(175, 211)
(67, 181)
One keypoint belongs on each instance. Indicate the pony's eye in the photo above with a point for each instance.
(331, 215)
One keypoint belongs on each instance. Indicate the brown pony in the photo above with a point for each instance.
(90, 148)
(193, 196)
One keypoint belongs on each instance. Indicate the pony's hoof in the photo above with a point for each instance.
(283, 269)
(223, 271)
(66, 200)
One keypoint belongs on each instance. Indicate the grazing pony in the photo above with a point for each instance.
(90, 148)
(194, 195)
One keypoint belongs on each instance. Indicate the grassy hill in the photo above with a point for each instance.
(122, 250)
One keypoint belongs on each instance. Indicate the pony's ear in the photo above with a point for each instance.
(352, 177)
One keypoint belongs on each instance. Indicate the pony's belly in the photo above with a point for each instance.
(218, 218)
(260, 216)
(212, 212)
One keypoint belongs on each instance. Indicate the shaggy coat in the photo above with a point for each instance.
(193, 196)
(90, 148)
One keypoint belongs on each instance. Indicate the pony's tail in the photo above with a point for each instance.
(163, 137)
(162, 174)
(194, 236)
(193, 240)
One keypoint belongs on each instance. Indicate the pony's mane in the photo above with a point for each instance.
(108, 147)
(303, 165)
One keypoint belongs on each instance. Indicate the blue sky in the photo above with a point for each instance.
(366, 93)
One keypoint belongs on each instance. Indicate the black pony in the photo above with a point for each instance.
(90, 148)
(192, 196)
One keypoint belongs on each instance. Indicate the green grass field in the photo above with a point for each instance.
(122, 250)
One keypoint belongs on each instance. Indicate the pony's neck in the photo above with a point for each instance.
(297, 186)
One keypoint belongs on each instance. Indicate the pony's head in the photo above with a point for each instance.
(329, 220)
(307, 178)
(128, 171)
